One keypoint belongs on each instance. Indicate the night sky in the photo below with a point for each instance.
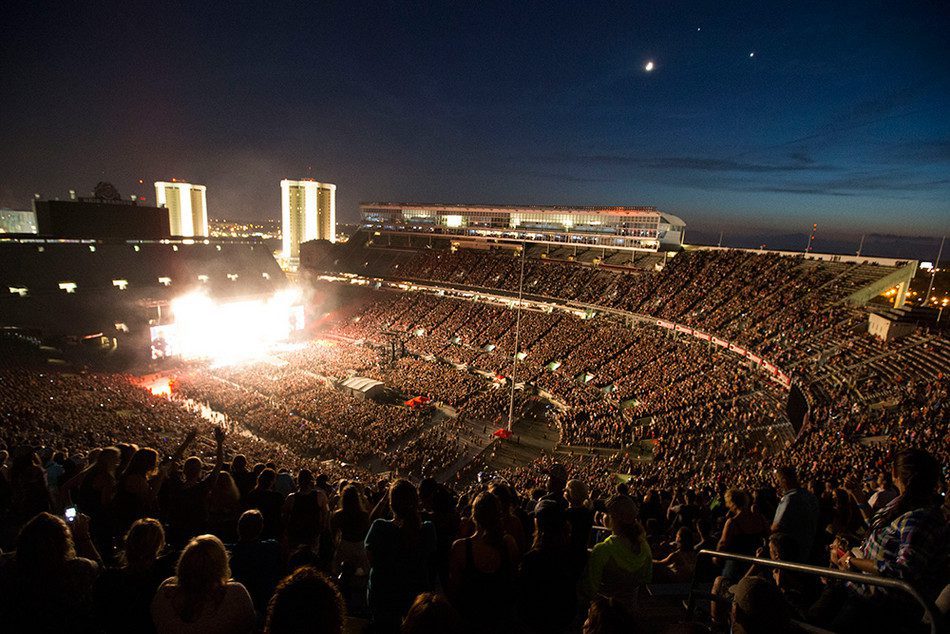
(758, 117)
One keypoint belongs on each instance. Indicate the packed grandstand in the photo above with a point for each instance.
(549, 465)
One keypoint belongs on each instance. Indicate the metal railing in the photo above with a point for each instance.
(930, 615)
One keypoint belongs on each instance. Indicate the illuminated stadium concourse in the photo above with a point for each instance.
(627, 228)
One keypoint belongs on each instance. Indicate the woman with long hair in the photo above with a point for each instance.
(124, 594)
(137, 491)
(224, 506)
(906, 540)
(401, 555)
(44, 586)
(201, 596)
(349, 525)
(547, 580)
(482, 569)
(744, 532)
(98, 482)
(620, 564)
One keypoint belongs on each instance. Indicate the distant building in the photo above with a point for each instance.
(308, 212)
(12, 221)
(187, 207)
(625, 228)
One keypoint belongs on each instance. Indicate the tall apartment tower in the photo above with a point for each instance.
(308, 213)
(187, 207)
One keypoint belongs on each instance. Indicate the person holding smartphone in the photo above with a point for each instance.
(48, 580)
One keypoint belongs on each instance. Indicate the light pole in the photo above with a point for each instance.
(514, 359)
(933, 271)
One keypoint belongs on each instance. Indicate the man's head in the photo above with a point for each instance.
(786, 478)
(758, 607)
(576, 492)
(557, 478)
(266, 479)
(250, 525)
(192, 468)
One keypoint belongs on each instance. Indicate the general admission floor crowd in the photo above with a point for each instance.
(298, 507)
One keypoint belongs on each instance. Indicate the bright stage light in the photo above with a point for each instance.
(160, 387)
(230, 332)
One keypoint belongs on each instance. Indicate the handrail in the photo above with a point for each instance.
(856, 577)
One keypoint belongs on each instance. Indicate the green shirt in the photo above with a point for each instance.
(615, 570)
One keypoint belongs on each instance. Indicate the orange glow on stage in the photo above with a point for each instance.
(161, 386)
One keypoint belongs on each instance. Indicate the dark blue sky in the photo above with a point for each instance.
(840, 118)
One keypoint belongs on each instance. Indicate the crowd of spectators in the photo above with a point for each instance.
(125, 511)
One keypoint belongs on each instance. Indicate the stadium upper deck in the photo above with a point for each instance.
(75, 286)
(629, 228)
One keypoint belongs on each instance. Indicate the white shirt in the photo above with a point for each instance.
(233, 615)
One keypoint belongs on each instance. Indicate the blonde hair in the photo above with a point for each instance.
(202, 569)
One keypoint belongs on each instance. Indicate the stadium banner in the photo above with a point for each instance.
(664, 324)
(682, 328)
(720, 342)
(701, 335)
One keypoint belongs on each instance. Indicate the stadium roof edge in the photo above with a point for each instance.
(830, 257)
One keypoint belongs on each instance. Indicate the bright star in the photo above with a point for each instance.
(648, 67)
(752, 54)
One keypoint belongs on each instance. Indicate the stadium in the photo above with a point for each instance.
(516, 367)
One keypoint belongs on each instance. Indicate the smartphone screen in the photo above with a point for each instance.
(70, 514)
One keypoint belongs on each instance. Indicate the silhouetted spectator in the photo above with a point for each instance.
(306, 602)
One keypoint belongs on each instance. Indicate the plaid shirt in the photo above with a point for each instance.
(912, 548)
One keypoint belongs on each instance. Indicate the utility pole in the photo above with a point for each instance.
(514, 359)
(811, 238)
(861, 246)
(933, 271)
(720, 238)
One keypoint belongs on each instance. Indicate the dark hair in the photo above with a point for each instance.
(919, 471)
(143, 542)
(142, 462)
(304, 478)
(404, 504)
(551, 526)
(43, 545)
(784, 545)
(431, 614)
(350, 501)
(503, 494)
(239, 463)
(266, 478)
(788, 475)
(487, 515)
(250, 524)
(305, 601)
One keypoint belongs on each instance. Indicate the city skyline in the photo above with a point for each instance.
(748, 119)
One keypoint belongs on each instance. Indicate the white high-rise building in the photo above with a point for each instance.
(308, 213)
(187, 207)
